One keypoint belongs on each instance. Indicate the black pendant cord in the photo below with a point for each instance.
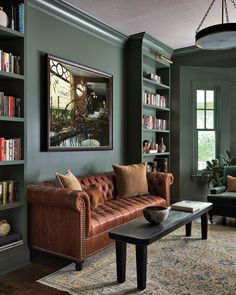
(224, 12)
(223, 2)
(206, 14)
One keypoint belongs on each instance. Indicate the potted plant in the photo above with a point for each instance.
(213, 173)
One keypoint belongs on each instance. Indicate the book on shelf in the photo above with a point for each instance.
(15, 13)
(10, 238)
(151, 122)
(186, 205)
(11, 245)
(9, 106)
(152, 151)
(9, 63)
(10, 149)
(9, 192)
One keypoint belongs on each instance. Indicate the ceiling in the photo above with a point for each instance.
(174, 22)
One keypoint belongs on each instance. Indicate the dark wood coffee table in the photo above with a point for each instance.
(141, 233)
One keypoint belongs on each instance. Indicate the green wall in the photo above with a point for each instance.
(189, 69)
(63, 36)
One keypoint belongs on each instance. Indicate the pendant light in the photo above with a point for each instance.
(219, 36)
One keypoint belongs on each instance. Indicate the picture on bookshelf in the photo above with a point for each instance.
(79, 107)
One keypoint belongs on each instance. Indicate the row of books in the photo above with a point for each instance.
(9, 192)
(9, 106)
(154, 77)
(9, 63)
(155, 99)
(15, 14)
(151, 122)
(10, 149)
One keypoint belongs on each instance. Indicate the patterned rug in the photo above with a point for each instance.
(177, 265)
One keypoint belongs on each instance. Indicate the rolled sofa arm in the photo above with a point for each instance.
(56, 197)
(218, 190)
(159, 184)
(58, 220)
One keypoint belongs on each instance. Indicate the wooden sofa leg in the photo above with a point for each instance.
(79, 266)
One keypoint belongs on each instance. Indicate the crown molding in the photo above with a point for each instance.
(184, 53)
(83, 21)
(150, 42)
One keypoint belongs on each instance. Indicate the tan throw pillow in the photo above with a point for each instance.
(131, 179)
(68, 181)
(94, 195)
(231, 183)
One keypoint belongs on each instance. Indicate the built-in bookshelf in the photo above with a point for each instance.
(148, 101)
(12, 168)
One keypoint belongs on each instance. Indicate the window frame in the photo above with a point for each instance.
(205, 87)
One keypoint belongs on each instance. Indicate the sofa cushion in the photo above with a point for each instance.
(224, 199)
(68, 181)
(131, 179)
(116, 212)
(94, 195)
(231, 183)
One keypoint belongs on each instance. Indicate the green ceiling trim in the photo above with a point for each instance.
(73, 16)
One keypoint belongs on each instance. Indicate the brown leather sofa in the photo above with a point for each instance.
(61, 221)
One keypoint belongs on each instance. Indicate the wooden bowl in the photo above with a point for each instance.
(156, 214)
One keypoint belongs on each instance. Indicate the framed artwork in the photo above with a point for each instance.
(79, 107)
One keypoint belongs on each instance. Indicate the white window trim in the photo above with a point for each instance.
(204, 86)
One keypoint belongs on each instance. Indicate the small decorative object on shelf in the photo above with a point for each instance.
(3, 18)
(162, 146)
(4, 228)
(153, 166)
(150, 148)
(162, 164)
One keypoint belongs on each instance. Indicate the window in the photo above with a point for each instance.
(205, 127)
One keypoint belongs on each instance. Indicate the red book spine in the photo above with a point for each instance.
(2, 153)
(11, 106)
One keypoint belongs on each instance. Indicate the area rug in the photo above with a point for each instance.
(177, 265)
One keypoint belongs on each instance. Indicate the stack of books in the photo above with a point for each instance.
(186, 205)
(10, 241)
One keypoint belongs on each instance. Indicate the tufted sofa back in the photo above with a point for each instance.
(105, 182)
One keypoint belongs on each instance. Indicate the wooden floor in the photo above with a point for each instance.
(23, 281)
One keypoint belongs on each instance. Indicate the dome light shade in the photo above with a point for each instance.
(217, 37)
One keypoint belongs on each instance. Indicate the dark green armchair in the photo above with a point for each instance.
(224, 203)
